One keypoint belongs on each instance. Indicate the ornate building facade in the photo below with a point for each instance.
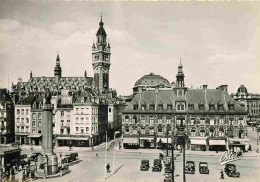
(251, 102)
(68, 95)
(212, 118)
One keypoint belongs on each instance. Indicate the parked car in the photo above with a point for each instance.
(168, 168)
(190, 167)
(231, 171)
(157, 165)
(70, 157)
(167, 178)
(144, 165)
(203, 168)
(34, 156)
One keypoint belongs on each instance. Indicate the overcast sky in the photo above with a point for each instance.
(218, 42)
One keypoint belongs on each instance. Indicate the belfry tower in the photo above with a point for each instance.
(101, 59)
(57, 70)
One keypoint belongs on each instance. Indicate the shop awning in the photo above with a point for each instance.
(71, 138)
(130, 140)
(217, 142)
(197, 142)
(35, 135)
(164, 140)
(146, 138)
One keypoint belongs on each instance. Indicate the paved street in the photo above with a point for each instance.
(127, 163)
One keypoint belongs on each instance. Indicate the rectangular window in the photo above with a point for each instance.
(27, 111)
(61, 131)
(201, 107)
(168, 119)
(82, 120)
(82, 110)
(221, 121)
(68, 121)
(202, 133)
(143, 107)
(40, 116)
(27, 120)
(18, 120)
(221, 107)
(77, 120)
(193, 133)
(18, 111)
(22, 112)
(22, 128)
(22, 121)
(77, 128)
(77, 110)
(87, 119)
(142, 119)
(160, 107)
(82, 130)
(109, 110)
(142, 131)
(126, 119)
(151, 119)
(211, 121)
(160, 119)
(211, 107)
(135, 107)
(191, 107)
(62, 113)
(159, 131)
(202, 121)
(126, 130)
(152, 107)
(61, 122)
(180, 106)
(87, 129)
(169, 107)
(151, 131)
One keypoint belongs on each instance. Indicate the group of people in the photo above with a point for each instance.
(10, 170)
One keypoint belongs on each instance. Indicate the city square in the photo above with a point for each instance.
(129, 91)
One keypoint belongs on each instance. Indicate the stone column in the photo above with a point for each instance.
(47, 132)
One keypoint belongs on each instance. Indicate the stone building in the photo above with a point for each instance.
(211, 116)
(6, 117)
(251, 102)
(66, 92)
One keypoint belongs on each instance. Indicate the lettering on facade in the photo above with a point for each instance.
(229, 157)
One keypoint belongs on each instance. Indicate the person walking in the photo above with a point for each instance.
(108, 168)
(222, 174)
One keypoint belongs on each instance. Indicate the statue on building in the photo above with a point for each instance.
(47, 96)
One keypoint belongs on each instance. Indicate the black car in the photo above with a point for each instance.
(34, 156)
(168, 168)
(144, 165)
(190, 167)
(203, 168)
(230, 170)
(157, 165)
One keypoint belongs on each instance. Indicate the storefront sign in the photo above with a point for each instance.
(229, 157)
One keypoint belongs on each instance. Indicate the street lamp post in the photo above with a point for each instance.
(167, 133)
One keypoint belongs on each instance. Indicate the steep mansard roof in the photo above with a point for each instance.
(196, 97)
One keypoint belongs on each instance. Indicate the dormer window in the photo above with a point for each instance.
(160, 107)
(220, 107)
(143, 107)
(180, 106)
(201, 107)
(135, 107)
(152, 107)
(34, 105)
(231, 107)
(169, 107)
(191, 107)
(211, 107)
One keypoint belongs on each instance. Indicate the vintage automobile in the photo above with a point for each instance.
(167, 178)
(70, 157)
(230, 170)
(203, 168)
(144, 165)
(157, 165)
(34, 156)
(190, 167)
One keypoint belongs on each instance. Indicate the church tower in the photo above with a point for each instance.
(57, 70)
(180, 76)
(101, 59)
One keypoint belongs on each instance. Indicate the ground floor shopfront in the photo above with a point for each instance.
(238, 144)
(22, 138)
(76, 141)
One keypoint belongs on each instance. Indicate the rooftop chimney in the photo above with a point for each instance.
(204, 87)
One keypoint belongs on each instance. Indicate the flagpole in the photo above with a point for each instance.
(105, 157)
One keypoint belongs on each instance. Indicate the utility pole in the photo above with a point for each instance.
(172, 162)
(105, 157)
(167, 142)
(184, 180)
(114, 158)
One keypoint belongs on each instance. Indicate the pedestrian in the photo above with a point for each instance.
(222, 174)
(108, 168)
(24, 176)
(32, 175)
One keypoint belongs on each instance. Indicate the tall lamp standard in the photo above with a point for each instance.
(167, 133)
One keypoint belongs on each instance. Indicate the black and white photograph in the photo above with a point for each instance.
(129, 91)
